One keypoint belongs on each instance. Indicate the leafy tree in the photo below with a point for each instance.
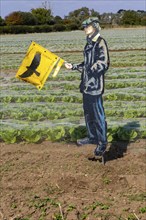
(110, 19)
(142, 15)
(82, 13)
(143, 20)
(94, 13)
(58, 20)
(29, 19)
(20, 18)
(121, 11)
(79, 13)
(42, 15)
(59, 27)
(76, 17)
(14, 18)
(106, 18)
(130, 18)
(2, 21)
(73, 26)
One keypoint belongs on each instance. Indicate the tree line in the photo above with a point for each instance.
(42, 20)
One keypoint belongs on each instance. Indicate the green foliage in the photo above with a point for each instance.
(71, 207)
(143, 20)
(77, 132)
(2, 21)
(131, 217)
(13, 206)
(121, 133)
(43, 205)
(82, 13)
(104, 207)
(42, 15)
(29, 19)
(14, 18)
(9, 135)
(62, 133)
(57, 216)
(58, 20)
(111, 97)
(143, 210)
(31, 135)
(72, 26)
(106, 180)
(111, 134)
(59, 27)
(56, 133)
(35, 115)
(84, 216)
(97, 204)
(19, 29)
(130, 18)
(143, 134)
(138, 197)
(7, 99)
(20, 18)
(126, 135)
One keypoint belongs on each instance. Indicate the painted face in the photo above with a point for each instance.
(89, 30)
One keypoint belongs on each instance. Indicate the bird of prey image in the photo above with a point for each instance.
(33, 66)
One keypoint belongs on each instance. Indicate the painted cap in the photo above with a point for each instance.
(91, 21)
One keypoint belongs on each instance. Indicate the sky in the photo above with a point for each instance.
(63, 7)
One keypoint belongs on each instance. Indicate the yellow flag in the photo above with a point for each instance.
(37, 65)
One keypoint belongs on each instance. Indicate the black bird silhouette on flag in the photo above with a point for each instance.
(33, 66)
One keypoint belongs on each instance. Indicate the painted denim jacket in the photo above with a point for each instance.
(96, 63)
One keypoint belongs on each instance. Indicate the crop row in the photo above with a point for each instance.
(60, 106)
(35, 115)
(62, 133)
(72, 98)
(134, 39)
(113, 73)
(13, 61)
(45, 110)
(64, 75)
(75, 85)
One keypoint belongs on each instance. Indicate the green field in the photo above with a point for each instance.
(55, 113)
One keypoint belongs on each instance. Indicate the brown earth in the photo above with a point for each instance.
(60, 181)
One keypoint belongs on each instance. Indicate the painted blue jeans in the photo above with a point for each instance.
(95, 119)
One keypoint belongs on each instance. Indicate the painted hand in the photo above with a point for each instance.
(68, 65)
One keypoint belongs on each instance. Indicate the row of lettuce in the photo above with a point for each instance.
(41, 113)
(64, 133)
(55, 113)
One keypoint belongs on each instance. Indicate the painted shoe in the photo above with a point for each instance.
(84, 141)
(99, 151)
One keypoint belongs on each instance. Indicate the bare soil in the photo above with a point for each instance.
(60, 181)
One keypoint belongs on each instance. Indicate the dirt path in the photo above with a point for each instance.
(59, 181)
